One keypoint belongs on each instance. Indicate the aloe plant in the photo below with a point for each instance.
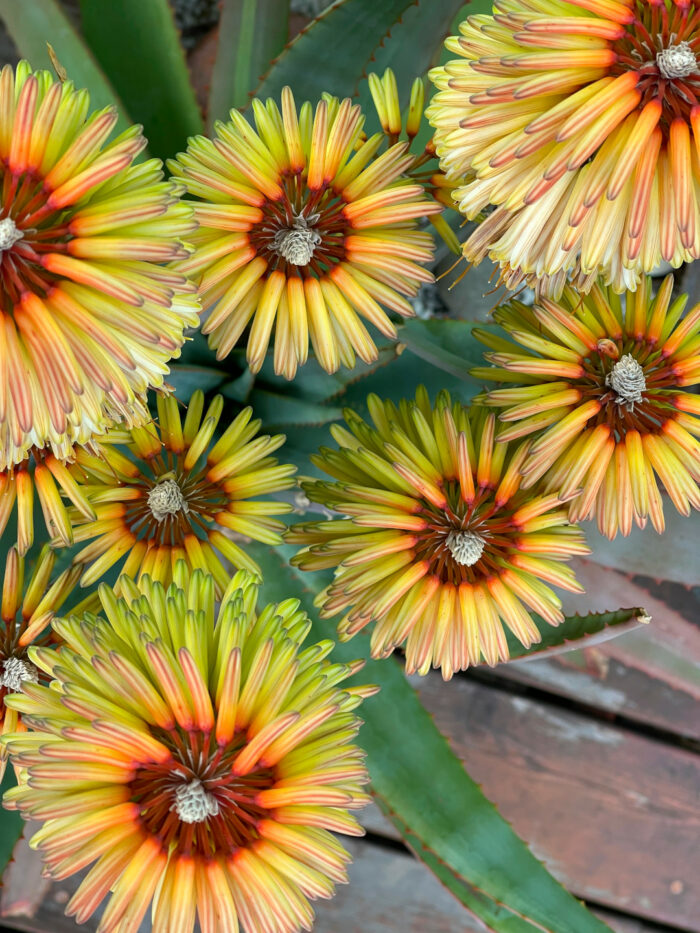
(129, 55)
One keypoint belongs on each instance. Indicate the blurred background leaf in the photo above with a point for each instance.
(251, 34)
(186, 379)
(31, 25)
(415, 45)
(294, 413)
(139, 48)
(11, 822)
(447, 344)
(336, 50)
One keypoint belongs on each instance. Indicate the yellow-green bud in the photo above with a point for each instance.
(415, 108)
(391, 97)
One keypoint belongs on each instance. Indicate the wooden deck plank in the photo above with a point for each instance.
(614, 815)
(651, 675)
(390, 892)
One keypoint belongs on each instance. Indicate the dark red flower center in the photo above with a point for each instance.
(304, 231)
(613, 374)
(172, 502)
(467, 542)
(29, 229)
(661, 45)
(193, 801)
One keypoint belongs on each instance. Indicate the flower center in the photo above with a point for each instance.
(659, 45)
(465, 546)
(627, 380)
(9, 234)
(166, 499)
(677, 61)
(37, 227)
(192, 801)
(15, 672)
(193, 804)
(297, 243)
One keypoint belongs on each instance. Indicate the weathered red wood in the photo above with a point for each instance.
(23, 885)
(391, 893)
(650, 675)
(615, 816)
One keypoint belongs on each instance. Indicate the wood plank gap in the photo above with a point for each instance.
(647, 730)
(612, 814)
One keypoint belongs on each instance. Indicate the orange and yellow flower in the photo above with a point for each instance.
(178, 496)
(26, 612)
(304, 229)
(604, 400)
(579, 122)
(435, 542)
(199, 758)
(89, 315)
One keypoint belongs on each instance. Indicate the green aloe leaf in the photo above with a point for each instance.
(493, 915)
(138, 47)
(336, 50)
(312, 383)
(251, 34)
(276, 408)
(186, 379)
(416, 44)
(32, 25)
(579, 632)
(446, 344)
(446, 350)
(11, 823)
(314, 398)
(417, 778)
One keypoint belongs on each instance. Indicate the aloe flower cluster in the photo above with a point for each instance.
(183, 749)
(436, 542)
